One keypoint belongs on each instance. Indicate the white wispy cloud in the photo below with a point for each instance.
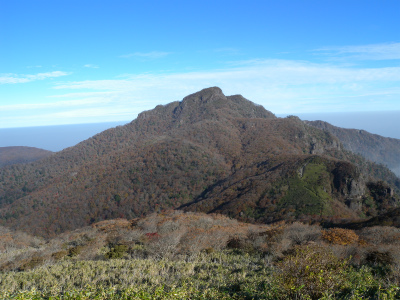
(52, 105)
(383, 51)
(91, 66)
(16, 78)
(282, 86)
(268, 72)
(279, 85)
(147, 55)
(82, 95)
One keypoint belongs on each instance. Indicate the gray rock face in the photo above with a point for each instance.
(357, 187)
(374, 147)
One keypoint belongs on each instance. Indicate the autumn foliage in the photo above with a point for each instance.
(208, 153)
(340, 236)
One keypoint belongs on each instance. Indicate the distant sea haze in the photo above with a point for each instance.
(56, 138)
(384, 123)
(53, 138)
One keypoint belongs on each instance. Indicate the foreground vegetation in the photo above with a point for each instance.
(195, 256)
(228, 274)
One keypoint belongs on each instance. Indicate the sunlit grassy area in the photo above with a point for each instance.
(309, 273)
(195, 256)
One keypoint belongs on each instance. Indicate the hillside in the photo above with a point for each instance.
(175, 230)
(208, 152)
(379, 149)
(18, 155)
(176, 255)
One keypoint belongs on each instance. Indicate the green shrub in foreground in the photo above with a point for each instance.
(313, 272)
(117, 251)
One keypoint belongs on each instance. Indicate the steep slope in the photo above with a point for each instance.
(306, 187)
(18, 155)
(182, 155)
(374, 147)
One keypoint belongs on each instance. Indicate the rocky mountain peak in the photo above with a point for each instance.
(207, 104)
(211, 103)
(204, 96)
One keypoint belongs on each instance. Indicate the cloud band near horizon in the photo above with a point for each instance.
(15, 78)
(282, 86)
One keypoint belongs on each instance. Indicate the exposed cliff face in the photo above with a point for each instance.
(299, 187)
(348, 180)
(374, 147)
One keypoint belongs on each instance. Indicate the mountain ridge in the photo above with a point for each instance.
(21, 154)
(374, 147)
(184, 151)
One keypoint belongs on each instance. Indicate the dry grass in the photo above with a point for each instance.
(306, 259)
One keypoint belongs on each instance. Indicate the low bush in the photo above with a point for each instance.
(340, 236)
(74, 251)
(31, 263)
(245, 244)
(59, 254)
(376, 257)
(300, 233)
(117, 251)
(311, 271)
(378, 235)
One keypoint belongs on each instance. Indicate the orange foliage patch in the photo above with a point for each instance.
(340, 236)
(109, 225)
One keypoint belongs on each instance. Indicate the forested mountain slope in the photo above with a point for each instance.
(208, 152)
(18, 155)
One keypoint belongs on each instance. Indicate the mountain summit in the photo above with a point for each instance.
(212, 99)
(207, 104)
(208, 152)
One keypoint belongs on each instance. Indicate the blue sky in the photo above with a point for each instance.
(71, 62)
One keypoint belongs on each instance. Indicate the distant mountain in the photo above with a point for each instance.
(18, 155)
(209, 153)
(374, 147)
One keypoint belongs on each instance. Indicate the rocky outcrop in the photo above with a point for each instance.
(376, 148)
